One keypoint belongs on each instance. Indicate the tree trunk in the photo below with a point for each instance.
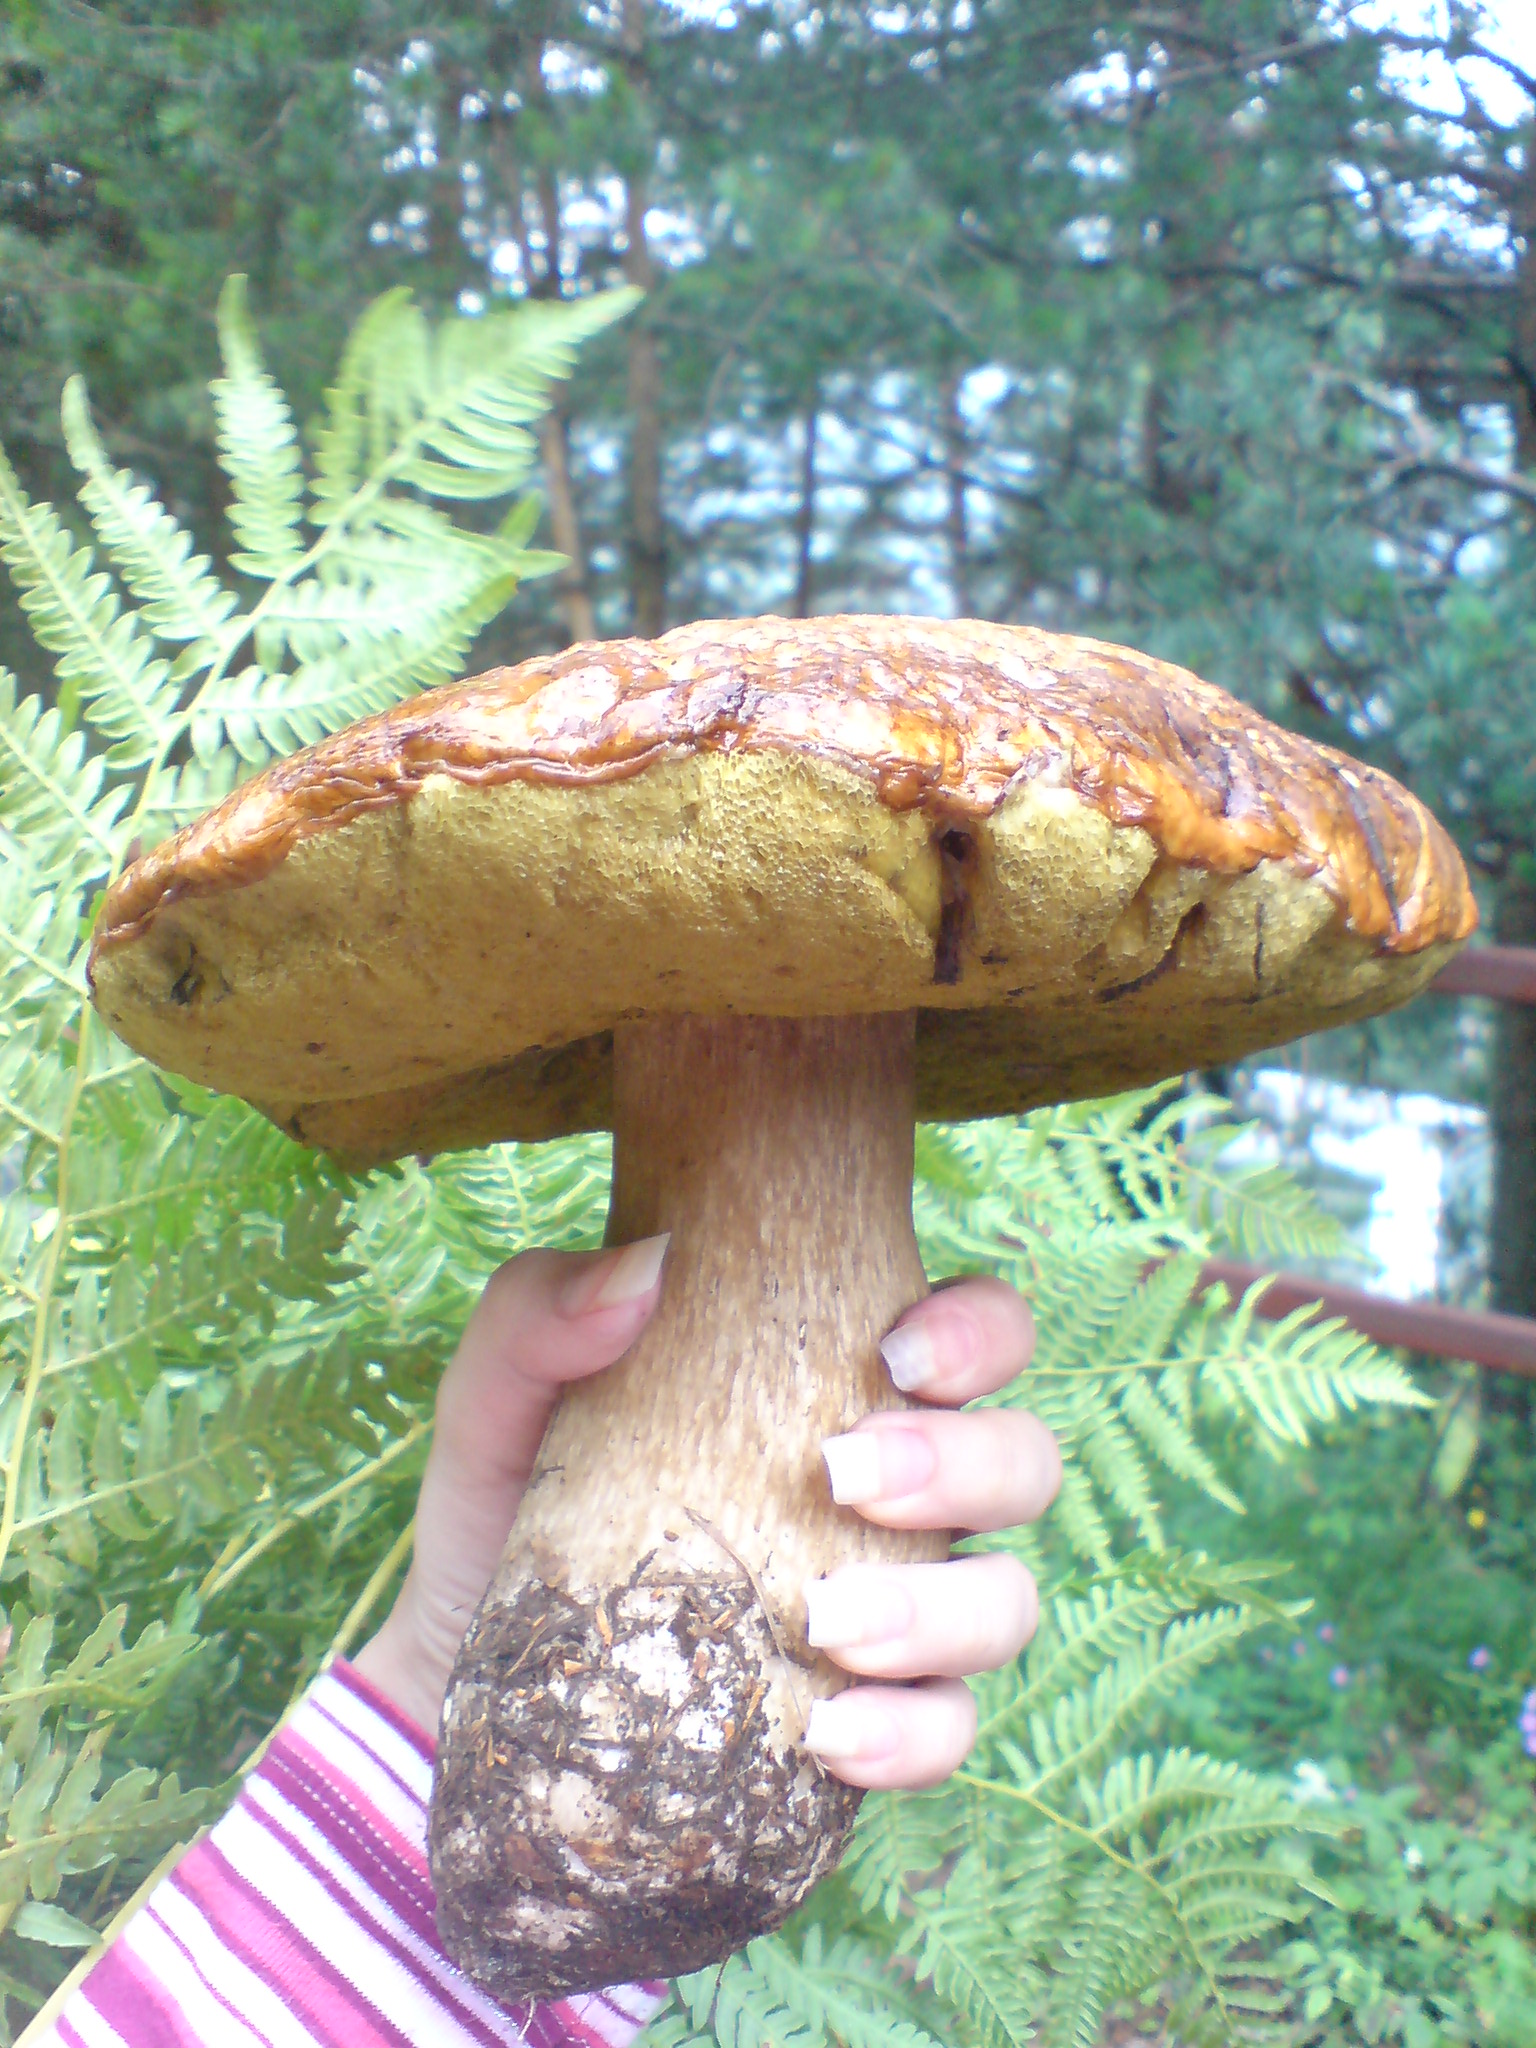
(805, 517)
(647, 540)
(1512, 1117)
(647, 536)
(1523, 225)
(565, 527)
(1512, 1095)
(955, 524)
(555, 446)
(554, 435)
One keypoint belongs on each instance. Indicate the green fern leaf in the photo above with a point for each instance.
(445, 414)
(105, 661)
(847, 1993)
(1090, 1958)
(964, 1946)
(899, 1837)
(730, 2004)
(180, 599)
(104, 1675)
(1077, 1736)
(53, 807)
(59, 1824)
(258, 447)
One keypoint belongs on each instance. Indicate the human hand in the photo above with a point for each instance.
(549, 1317)
(544, 1318)
(926, 1469)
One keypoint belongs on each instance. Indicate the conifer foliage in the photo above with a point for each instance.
(218, 1352)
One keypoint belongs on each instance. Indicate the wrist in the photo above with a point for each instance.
(412, 1675)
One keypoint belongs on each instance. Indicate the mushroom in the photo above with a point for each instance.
(751, 895)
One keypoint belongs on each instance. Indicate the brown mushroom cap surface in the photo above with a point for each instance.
(1082, 867)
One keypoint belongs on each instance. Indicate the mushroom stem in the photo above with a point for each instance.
(621, 1787)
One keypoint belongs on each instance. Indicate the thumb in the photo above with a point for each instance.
(543, 1319)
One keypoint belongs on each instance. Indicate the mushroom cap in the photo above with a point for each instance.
(1084, 869)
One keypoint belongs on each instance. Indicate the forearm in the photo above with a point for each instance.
(305, 1918)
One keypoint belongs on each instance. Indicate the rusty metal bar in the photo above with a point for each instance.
(1506, 973)
(1502, 1343)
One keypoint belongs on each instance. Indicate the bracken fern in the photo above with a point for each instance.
(219, 1351)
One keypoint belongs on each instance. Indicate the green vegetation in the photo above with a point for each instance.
(1207, 327)
(1193, 325)
(220, 1351)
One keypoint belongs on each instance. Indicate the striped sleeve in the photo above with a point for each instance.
(305, 1918)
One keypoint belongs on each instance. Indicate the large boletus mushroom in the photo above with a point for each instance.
(751, 895)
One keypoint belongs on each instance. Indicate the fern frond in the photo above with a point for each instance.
(1256, 1210)
(960, 1942)
(34, 1094)
(845, 1993)
(105, 661)
(773, 1993)
(52, 803)
(1190, 1798)
(1082, 1527)
(1109, 1221)
(393, 626)
(184, 791)
(484, 1206)
(1079, 1636)
(105, 1675)
(1093, 1957)
(42, 978)
(59, 1824)
(258, 447)
(1168, 1435)
(180, 599)
(898, 1837)
(1286, 1377)
(733, 2006)
(445, 414)
(1083, 1726)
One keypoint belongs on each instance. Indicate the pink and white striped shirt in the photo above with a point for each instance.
(305, 1918)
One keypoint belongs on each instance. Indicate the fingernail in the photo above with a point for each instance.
(851, 1729)
(909, 1357)
(852, 1607)
(882, 1464)
(853, 1466)
(620, 1277)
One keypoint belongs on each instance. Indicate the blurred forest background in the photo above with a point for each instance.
(1209, 325)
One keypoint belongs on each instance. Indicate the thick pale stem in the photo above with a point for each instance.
(622, 1790)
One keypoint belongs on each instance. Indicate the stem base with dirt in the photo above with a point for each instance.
(622, 1791)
